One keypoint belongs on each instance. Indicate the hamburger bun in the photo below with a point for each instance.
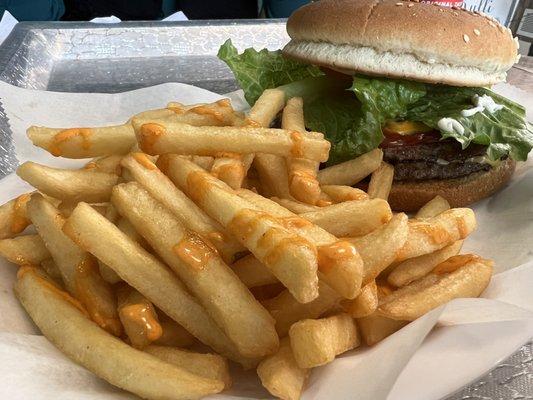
(460, 192)
(402, 39)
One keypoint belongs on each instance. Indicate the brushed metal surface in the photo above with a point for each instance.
(85, 57)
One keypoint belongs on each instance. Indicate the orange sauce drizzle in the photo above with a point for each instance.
(177, 108)
(198, 184)
(295, 222)
(194, 251)
(229, 172)
(251, 123)
(228, 154)
(297, 150)
(163, 163)
(208, 110)
(333, 254)
(90, 165)
(323, 203)
(461, 226)
(87, 282)
(28, 269)
(224, 103)
(149, 135)
(20, 221)
(437, 234)
(67, 134)
(454, 263)
(143, 159)
(141, 323)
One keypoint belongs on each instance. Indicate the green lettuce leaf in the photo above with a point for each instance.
(259, 70)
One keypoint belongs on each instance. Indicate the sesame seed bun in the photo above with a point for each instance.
(402, 39)
(460, 192)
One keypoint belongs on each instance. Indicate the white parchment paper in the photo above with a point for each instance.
(428, 359)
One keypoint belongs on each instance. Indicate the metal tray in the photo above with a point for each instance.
(87, 57)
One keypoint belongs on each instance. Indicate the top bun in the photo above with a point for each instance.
(402, 39)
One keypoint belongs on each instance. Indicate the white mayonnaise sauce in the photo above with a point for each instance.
(450, 125)
(481, 104)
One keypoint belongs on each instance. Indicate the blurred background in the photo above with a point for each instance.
(516, 14)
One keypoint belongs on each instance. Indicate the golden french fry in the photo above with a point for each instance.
(210, 366)
(459, 276)
(272, 171)
(13, 216)
(79, 269)
(379, 248)
(280, 374)
(70, 185)
(108, 164)
(161, 187)
(290, 257)
(266, 108)
(24, 250)
(138, 316)
(339, 264)
(294, 206)
(66, 208)
(286, 310)
(252, 272)
(303, 181)
(432, 234)
(381, 182)
(433, 208)
(51, 269)
(351, 218)
(364, 304)
(83, 142)
(219, 113)
(232, 168)
(375, 327)
(205, 274)
(145, 273)
(58, 317)
(316, 342)
(415, 268)
(174, 335)
(351, 172)
(161, 137)
(206, 162)
(340, 193)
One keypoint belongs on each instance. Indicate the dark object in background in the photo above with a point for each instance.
(126, 10)
(225, 9)
(33, 10)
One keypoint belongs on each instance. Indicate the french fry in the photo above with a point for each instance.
(51, 269)
(290, 257)
(66, 208)
(162, 188)
(303, 181)
(459, 276)
(351, 218)
(219, 113)
(13, 216)
(381, 182)
(294, 206)
(206, 162)
(145, 273)
(209, 366)
(174, 335)
(280, 374)
(24, 250)
(225, 298)
(316, 342)
(61, 321)
(252, 272)
(138, 316)
(375, 327)
(70, 185)
(232, 168)
(83, 142)
(78, 269)
(340, 193)
(108, 164)
(432, 234)
(364, 304)
(433, 208)
(415, 268)
(272, 171)
(161, 137)
(380, 248)
(266, 108)
(286, 310)
(339, 264)
(351, 172)
(108, 274)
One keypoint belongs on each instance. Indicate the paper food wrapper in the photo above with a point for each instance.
(428, 359)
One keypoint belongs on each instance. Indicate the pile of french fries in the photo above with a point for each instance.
(199, 225)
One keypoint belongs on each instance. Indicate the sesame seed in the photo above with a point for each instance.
(410, 5)
(456, 14)
(466, 38)
(441, 9)
(477, 32)
(399, 4)
(492, 24)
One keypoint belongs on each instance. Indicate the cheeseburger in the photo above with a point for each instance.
(410, 78)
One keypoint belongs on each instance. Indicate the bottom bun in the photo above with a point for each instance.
(460, 192)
